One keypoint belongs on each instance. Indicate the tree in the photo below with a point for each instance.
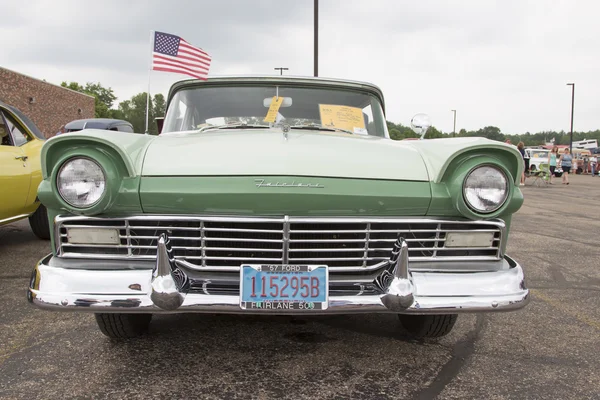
(134, 111)
(104, 97)
(491, 132)
(160, 105)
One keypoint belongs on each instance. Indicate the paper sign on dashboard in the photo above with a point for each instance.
(342, 117)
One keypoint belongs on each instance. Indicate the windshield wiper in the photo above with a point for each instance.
(233, 125)
(321, 128)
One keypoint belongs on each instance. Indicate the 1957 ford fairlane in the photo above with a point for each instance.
(278, 195)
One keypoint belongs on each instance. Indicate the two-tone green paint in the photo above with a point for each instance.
(443, 156)
(126, 149)
(195, 173)
(120, 196)
(242, 196)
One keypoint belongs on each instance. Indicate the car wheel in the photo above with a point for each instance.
(532, 168)
(123, 326)
(39, 223)
(428, 326)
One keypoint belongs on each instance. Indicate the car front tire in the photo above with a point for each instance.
(123, 326)
(39, 223)
(428, 326)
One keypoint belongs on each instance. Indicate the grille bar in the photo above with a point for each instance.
(224, 243)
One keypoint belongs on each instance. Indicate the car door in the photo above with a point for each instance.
(15, 171)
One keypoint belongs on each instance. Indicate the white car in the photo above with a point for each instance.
(536, 157)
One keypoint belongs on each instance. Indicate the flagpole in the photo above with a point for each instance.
(149, 71)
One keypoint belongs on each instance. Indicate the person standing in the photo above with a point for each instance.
(521, 147)
(566, 162)
(585, 165)
(593, 164)
(552, 161)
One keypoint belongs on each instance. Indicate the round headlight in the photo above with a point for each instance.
(81, 182)
(485, 189)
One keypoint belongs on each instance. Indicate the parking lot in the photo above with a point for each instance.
(550, 349)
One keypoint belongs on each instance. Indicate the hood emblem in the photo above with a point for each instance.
(263, 183)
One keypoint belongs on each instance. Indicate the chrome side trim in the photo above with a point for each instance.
(13, 219)
(213, 218)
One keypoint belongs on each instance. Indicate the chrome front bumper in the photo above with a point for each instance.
(165, 289)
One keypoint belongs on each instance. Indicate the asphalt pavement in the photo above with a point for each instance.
(549, 350)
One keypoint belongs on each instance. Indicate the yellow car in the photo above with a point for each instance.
(20, 171)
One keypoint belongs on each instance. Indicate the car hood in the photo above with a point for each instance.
(246, 152)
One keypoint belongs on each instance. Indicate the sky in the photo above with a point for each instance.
(501, 63)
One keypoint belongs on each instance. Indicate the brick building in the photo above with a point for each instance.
(49, 106)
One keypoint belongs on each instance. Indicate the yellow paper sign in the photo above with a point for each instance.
(273, 109)
(342, 117)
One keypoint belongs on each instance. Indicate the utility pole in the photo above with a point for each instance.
(572, 109)
(454, 129)
(316, 37)
(281, 69)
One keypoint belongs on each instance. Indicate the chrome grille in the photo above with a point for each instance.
(224, 243)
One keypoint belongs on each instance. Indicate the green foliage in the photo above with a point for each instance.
(134, 111)
(400, 132)
(160, 105)
(561, 137)
(104, 97)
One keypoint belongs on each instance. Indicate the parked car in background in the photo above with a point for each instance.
(278, 195)
(537, 157)
(99, 123)
(20, 171)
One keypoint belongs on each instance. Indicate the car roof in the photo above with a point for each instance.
(278, 79)
(25, 120)
(95, 123)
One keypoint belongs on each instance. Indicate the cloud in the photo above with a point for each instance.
(497, 63)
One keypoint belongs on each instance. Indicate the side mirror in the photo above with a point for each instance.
(420, 123)
(159, 123)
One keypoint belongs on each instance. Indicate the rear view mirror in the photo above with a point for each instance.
(287, 102)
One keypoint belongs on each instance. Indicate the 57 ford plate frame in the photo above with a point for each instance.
(284, 287)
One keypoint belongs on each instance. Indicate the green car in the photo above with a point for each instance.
(278, 195)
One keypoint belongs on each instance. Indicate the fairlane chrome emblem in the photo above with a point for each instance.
(261, 183)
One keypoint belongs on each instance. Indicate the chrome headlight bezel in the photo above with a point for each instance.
(61, 194)
(499, 204)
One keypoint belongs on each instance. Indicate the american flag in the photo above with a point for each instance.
(173, 54)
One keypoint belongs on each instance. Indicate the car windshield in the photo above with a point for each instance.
(540, 154)
(223, 107)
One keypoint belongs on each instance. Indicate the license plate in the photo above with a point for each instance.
(284, 287)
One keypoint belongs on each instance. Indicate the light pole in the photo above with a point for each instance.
(316, 38)
(572, 109)
(454, 129)
(281, 69)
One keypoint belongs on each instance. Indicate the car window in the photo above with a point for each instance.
(5, 139)
(354, 111)
(19, 137)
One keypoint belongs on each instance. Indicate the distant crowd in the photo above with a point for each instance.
(558, 164)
